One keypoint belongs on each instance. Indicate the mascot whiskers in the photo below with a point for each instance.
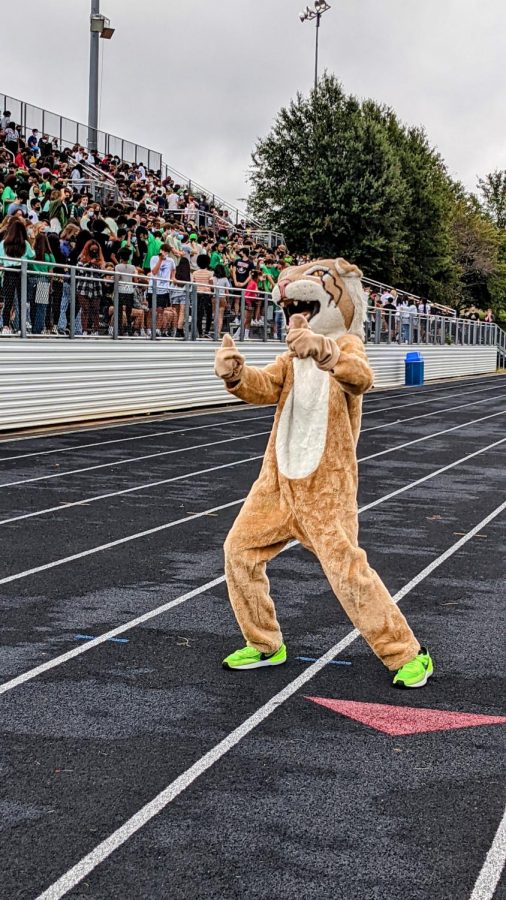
(307, 487)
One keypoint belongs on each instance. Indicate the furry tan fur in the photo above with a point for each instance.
(307, 488)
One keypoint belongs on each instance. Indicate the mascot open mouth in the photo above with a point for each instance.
(307, 308)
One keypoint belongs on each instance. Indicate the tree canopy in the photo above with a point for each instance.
(343, 177)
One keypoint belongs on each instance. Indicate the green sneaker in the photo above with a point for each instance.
(416, 672)
(249, 658)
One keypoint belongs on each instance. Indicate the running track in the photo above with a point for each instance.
(133, 766)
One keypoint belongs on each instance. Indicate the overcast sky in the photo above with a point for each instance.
(201, 80)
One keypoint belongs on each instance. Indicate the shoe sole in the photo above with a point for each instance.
(258, 665)
(419, 684)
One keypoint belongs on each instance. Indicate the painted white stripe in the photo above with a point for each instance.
(440, 389)
(437, 412)
(123, 462)
(137, 437)
(427, 437)
(142, 487)
(490, 874)
(390, 408)
(130, 422)
(120, 629)
(431, 475)
(143, 437)
(124, 540)
(119, 837)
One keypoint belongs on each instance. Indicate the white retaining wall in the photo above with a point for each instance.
(46, 382)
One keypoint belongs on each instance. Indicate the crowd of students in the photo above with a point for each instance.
(156, 239)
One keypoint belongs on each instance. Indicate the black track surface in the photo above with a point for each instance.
(310, 804)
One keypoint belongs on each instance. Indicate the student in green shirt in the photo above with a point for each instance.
(153, 249)
(8, 193)
(217, 258)
(39, 283)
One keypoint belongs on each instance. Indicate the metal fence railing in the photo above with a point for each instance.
(68, 132)
(44, 299)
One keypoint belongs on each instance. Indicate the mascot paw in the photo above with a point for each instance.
(304, 343)
(229, 363)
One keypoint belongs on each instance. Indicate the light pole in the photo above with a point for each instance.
(320, 7)
(100, 27)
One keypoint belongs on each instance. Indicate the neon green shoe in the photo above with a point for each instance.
(416, 672)
(249, 658)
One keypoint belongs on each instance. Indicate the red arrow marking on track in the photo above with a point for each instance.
(405, 719)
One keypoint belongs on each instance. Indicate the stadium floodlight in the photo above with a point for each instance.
(100, 27)
(309, 14)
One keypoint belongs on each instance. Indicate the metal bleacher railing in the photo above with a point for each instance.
(69, 132)
(53, 301)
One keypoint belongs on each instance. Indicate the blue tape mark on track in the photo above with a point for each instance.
(91, 637)
(332, 662)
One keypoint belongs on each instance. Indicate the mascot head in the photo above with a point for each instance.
(328, 292)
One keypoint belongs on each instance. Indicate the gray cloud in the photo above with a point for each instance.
(203, 79)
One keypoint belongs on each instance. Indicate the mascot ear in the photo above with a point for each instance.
(346, 269)
(351, 276)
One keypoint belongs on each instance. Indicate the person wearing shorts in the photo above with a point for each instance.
(163, 273)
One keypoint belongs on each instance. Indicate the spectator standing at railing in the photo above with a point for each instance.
(389, 313)
(6, 118)
(179, 295)
(241, 270)
(89, 286)
(13, 248)
(203, 278)
(163, 274)
(489, 317)
(221, 294)
(126, 272)
(39, 283)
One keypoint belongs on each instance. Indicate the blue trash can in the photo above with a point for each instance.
(414, 368)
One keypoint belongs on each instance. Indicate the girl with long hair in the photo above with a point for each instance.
(55, 296)
(13, 248)
(39, 282)
(179, 296)
(89, 286)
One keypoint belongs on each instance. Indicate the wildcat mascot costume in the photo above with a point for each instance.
(307, 488)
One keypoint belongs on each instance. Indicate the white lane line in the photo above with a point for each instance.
(130, 421)
(373, 412)
(141, 487)
(143, 437)
(490, 874)
(435, 390)
(436, 412)
(174, 417)
(426, 438)
(137, 437)
(124, 462)
(102, 851)
(77, 651)
(413, 484)
(124, 540)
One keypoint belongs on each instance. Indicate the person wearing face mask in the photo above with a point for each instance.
(89, 286)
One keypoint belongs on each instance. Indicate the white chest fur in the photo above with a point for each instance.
(302, 427)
